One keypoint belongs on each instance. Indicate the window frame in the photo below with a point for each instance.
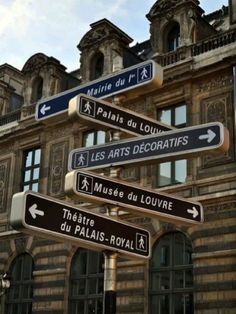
(95, 134)
(84, 279)
(19, 285)
(173, 163)
(31, 169)
(171, 270)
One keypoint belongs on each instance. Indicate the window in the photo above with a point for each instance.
(172, 172)
(173, 37)
(20, 294)
(37, 89)
(97, 66)
(31, 170)
(93, 137)
(86, 283)
(171, 276)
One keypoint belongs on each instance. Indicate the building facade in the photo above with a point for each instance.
(192, 268)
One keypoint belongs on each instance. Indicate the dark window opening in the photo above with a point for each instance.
(97, 66)
(171, 276)
(86, 283)
(19, 296)
(173, 38)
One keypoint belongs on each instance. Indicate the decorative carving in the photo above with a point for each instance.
(218, 109)
(58, 163)
(35, 63)
(21, 244)
(215, 83)
(93, 36)
(4, 179)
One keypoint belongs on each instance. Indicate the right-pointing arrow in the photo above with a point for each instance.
(209, 136)
(34, 211)
(193, 212)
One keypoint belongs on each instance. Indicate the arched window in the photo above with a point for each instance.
(37, 89)
(97, 66)
(86, 283)
(173, 37)
(19, 296)
(171, 276)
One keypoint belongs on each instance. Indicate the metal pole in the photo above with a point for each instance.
(110, 267)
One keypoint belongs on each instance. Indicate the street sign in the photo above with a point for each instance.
(99, 189)
(132, 80)
(104, 115)
(181, 143)
(42, 215)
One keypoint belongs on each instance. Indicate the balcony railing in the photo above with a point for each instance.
(10, 117)
(182, 53)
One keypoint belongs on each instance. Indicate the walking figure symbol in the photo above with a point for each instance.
(87, 107)
(144, 74)
(81, 160)
(141, 242)
(85, 184)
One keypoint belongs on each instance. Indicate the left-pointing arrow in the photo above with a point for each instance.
(44, 109)
(34, 211)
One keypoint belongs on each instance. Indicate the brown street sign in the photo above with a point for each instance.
(91, 187)
(170, 145)
(44, 216)
(104, 115)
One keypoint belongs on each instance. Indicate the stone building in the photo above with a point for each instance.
(192, 269)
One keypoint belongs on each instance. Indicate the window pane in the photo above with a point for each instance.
(178, 249)
(37, 156)
(179, 279)
(180, 170)
(27, 176)
(178, 304)
(89, 139)
(180, 115)
(28, 159)
(26, 188)
(165, 116)
(101, 137)
(35, 187)
(165, 173)
(36, 174)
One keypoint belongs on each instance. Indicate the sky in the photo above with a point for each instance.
(55, 28)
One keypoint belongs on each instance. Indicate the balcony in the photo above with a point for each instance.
(10, 117)
(210, 44)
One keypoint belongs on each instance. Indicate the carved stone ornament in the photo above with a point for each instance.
(34, 63)
(164, 5)
(94, 36)
(58, 162)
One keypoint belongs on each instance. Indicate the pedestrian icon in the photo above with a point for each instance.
(141, 242)
(85, 183)
(81, 159)
(144, 73)
(87, 107)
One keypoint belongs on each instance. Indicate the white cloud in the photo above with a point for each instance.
(56, 27)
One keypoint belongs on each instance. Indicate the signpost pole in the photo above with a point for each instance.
(110, 271)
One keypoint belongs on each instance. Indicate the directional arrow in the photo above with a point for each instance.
(209, 136)
(176, 144)
(90, 187)
(66, 223)
(44, 109)
(193, 212)
(34, 211)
